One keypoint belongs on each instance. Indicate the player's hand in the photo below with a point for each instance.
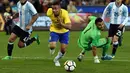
(28, 27)
(9, 17)
(60, 22)
(121, 26)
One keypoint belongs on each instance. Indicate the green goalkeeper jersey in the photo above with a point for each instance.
(90, 35)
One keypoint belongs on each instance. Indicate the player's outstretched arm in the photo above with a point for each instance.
(15, 15)
(34, 18)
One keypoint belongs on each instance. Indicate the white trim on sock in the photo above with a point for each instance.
(10, 43)
(115, 43)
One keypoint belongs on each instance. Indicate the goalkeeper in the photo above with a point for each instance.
(90, 39)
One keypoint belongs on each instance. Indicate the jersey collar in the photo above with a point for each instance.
(23, 3)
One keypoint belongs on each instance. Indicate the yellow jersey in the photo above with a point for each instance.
(64, 17)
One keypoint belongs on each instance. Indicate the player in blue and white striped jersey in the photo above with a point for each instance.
(118, 14)
(27, 16)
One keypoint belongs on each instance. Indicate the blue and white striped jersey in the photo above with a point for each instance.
(26, 12)
(117, 15)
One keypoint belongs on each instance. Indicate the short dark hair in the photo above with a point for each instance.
(98, 20)
(56, 2)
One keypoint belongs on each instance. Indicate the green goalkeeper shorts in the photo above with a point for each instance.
(103, 42)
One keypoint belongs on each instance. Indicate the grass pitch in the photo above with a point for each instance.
(36, 58)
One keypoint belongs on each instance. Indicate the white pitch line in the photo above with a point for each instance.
(88, 58)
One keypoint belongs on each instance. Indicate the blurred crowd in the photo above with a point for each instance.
(8, 8)
(43, 5)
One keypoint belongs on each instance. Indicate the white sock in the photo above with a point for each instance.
(59, 56)
(10, 43)
(95, 57)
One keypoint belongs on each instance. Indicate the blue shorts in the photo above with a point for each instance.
(62, 37)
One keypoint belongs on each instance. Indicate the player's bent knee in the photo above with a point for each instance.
(52, 46)
(20, 45)
(115, 38)
(11, 40)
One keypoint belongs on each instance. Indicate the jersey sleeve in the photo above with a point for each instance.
(91, 22)
(92, 18)
(66, 18)
(107, 11)
(125, 15)
(49, 12)
(17, 7)
(32, 9)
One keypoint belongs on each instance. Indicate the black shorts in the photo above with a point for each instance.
(113, 30)
(23, 35)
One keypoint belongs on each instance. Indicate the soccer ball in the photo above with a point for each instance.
(70, 65)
